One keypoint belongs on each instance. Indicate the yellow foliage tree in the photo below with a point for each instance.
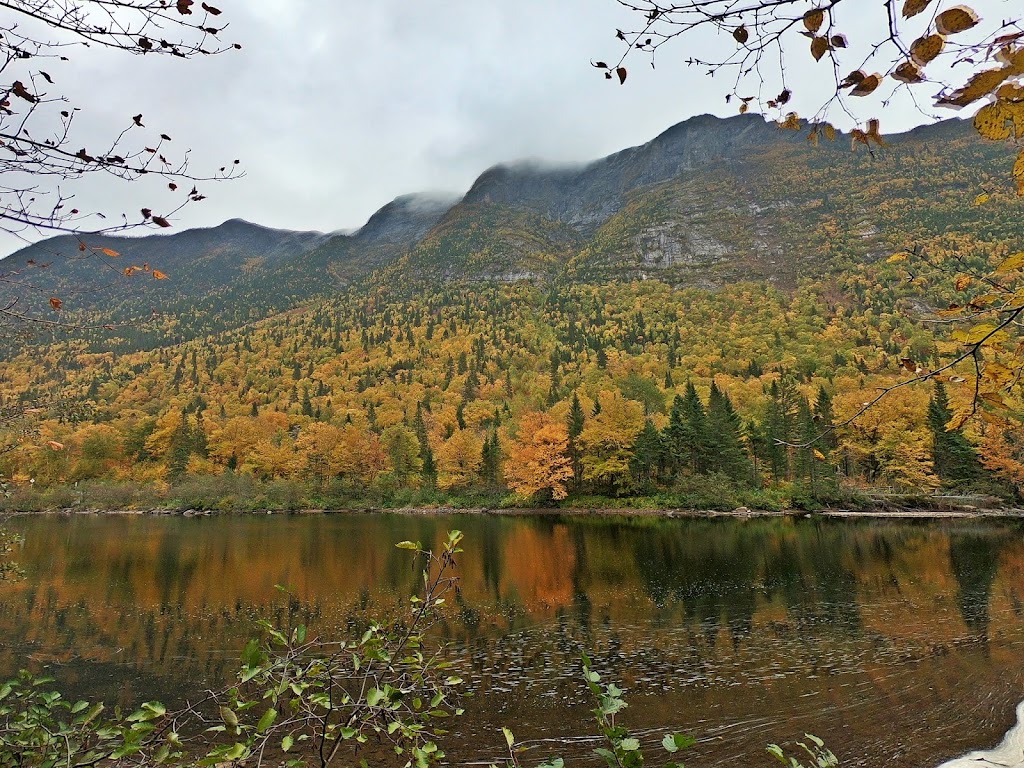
(607, 441)
(459, 459)
(538, 459)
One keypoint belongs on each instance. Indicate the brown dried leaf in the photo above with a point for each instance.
(621, 72)
(908, 72)
(158, 275)
(56, 303)
(819, 46)
(914, 7)
(741, 35)
(959, 18)
(867, 86)
(926, 49)
(160, 221)
(813, 20)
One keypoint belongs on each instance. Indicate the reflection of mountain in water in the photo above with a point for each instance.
(866, 633)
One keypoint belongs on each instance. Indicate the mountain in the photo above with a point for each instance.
(727, 282)
(708, 202)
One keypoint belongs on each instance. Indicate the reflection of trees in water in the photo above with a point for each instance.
(718, 573)
(974, 559)
(710, 569)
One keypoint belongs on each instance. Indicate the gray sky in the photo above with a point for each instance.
(335, 107)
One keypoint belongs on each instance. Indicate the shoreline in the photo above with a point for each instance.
(882, 512)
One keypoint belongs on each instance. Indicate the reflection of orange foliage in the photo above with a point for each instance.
(540, 566)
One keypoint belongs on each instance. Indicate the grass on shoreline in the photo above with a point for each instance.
(237, 493)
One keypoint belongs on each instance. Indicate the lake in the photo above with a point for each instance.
(893, 641)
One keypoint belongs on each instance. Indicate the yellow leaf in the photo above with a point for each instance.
(981, 199)
(901, 256)
(1011, 263)
(107, 252)
(982, 333)
(926, 49)
(813, 20)
(830, 132)
(914, 7)
(993, 398)
(990, 121)
(956, 19)
(792, 122)
(56, 303)
(819, 455)
(962, 282)
(158, 275)
(54, 445)
(980, 85)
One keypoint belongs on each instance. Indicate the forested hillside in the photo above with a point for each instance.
(682, 321)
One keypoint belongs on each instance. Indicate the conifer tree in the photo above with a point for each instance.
(575, 422)
(725, 429)
(953, 457)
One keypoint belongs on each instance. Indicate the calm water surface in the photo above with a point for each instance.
(893, 641)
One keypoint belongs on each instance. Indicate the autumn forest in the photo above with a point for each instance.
(706, 336)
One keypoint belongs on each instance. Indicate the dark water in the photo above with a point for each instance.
(893, 641)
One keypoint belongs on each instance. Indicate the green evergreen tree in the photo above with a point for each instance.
(647, 455)
(725, 432)
(953, 457)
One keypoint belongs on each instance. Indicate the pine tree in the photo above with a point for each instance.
(953, 457)
(647, 455)
(575, 422)
(725, 429)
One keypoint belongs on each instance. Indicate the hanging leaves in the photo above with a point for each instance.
(908, 72)
(621, 72)
(867, 86)
(1011, 263)
(741, 35)
(914, 7)
(819, 46)
(813, 20)
(926, 49)
(954, 20)
(1018, 173)
(160, 221)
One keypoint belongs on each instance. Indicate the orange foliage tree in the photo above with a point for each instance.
(538, 459)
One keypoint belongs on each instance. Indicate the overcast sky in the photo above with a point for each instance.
(335, 107)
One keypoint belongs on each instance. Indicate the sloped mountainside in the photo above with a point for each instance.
(708, 202)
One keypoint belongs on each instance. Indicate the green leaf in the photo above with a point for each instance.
(629, 745)
(267, 720)
(509, 738)
(374, 696)
(776, 751)
(286, 743)
(673, 742)
(413, 545)
(229, 717)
